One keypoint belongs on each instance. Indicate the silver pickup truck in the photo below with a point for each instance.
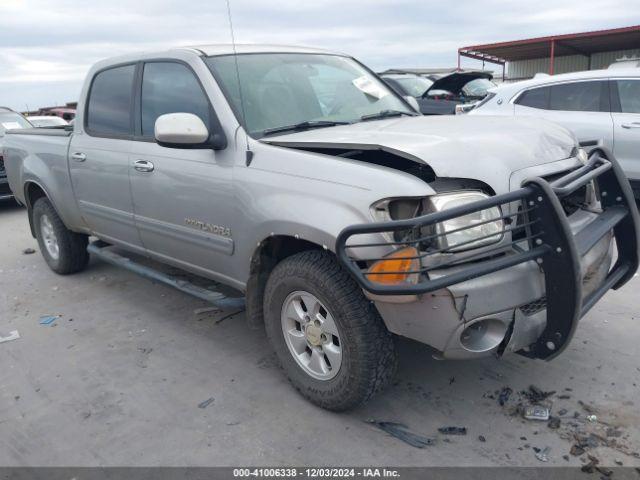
(297, 177)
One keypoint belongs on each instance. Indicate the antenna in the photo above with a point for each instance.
(235, 56)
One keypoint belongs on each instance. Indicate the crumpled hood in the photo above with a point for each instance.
(489, 149)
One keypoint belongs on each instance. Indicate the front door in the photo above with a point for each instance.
(99, 158)
(627, 127)
(183, 198)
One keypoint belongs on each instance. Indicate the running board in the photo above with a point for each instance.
(100, 250)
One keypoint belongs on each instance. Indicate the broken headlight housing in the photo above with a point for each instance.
(473, 230)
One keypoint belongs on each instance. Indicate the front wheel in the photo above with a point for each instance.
(64, 251)
(330, 340)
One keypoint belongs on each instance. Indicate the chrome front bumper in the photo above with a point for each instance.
(527, 300)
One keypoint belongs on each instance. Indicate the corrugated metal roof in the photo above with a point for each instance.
(585, 44)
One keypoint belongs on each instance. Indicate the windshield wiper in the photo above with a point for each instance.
(386, 114)
(303, 126)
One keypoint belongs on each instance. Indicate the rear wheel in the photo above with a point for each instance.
(64, 251)
(329, 338)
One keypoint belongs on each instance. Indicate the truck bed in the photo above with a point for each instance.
(39, 156)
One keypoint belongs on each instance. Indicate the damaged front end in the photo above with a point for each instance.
(510, 272)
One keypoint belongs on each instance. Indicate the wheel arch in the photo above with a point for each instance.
(33, 191)
(269, 252)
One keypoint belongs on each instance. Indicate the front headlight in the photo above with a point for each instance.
(460, 233)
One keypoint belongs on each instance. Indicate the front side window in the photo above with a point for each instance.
(535, 98)
(109, 107)
(282, 89)
(577, 97)
(170, 88)
(629, 92)
(415, 86)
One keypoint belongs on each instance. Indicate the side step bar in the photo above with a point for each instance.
(101, 250)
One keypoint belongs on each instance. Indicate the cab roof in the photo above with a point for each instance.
(228, 49)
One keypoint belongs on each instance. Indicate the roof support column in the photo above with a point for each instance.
(552, 57)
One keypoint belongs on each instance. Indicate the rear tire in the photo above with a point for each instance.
(64, 251)
(354, 352)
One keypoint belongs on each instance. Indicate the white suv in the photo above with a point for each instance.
(600, 106)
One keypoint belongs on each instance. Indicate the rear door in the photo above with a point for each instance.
(99, 157)
(183, 197)
(581, 106)
(626, 120)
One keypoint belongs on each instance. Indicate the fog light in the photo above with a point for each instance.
(483, 335)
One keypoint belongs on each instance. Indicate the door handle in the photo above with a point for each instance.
(631, 125)
(78, 156)
(143, 166)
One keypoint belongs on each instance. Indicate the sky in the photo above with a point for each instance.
(47, 46)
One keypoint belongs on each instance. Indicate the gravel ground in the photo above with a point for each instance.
(126, 374)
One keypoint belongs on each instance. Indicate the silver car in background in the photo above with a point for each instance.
(601, 107)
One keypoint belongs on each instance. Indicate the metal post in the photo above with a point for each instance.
(458, 59)
(503, 71)
(553, 56)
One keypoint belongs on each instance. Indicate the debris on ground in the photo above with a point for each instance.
(536, 412)
(554, 423)
(594, 466)
(587, 408)
(453, 430)
(200, 311)
(576, 450)
(13, 335)
(613, 432)
(481, 438)
(592, 418)
(562, 412)
(28, 251)
(503, 396)
(543, 455)
(566, 457)
(401, 432)
(536, 395)
(206, 403)
(220, 320)
(48, 319)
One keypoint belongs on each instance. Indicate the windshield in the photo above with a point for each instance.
(11, 121)
(477, 87)
(281, 89)
(414, 86)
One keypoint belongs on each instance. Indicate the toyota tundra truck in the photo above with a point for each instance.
(343, 217)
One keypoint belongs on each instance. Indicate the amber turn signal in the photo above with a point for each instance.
(396, 268)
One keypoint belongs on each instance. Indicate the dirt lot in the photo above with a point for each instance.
(119, 377)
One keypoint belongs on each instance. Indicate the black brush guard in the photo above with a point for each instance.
(540, 221)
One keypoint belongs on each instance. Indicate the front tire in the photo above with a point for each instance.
(64, 251)
(330, 340)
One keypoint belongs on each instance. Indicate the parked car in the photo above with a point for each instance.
(47, 121)
(602, 107)
(299, 178)
(8, 120)
(439, 93)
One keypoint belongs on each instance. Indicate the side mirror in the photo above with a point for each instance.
(413, 102)
(186, 130)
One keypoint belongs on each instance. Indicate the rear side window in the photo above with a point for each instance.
(170, 88)
(579, 97)
(629, 92)
(109, 108)
(535, 98)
